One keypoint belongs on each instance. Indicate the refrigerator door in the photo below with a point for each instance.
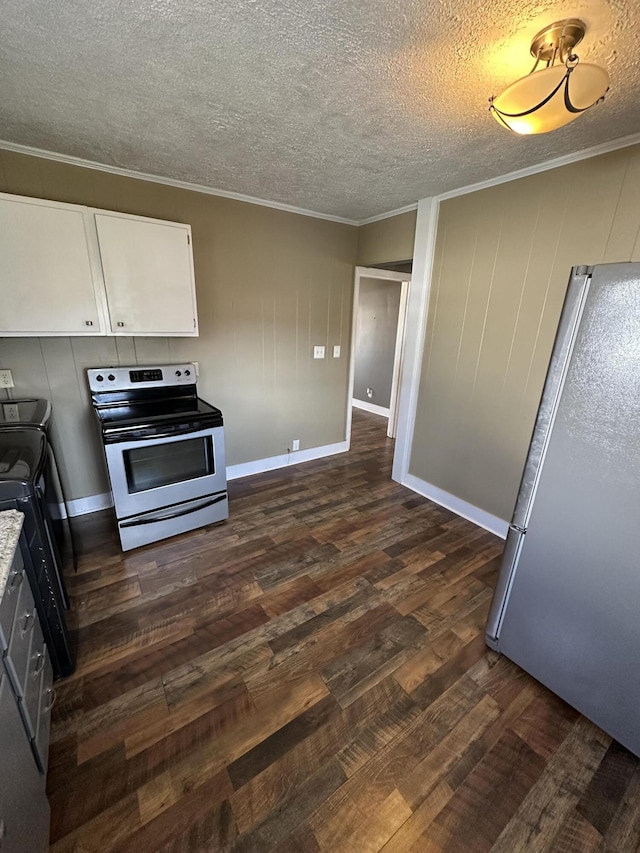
(571, 618)
(565, 338)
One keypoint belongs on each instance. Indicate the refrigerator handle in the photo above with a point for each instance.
(508, 568)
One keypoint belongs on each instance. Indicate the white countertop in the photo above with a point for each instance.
(10, 527)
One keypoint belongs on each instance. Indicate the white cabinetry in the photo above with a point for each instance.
(66, 269)
(148, 275)
(47, 273)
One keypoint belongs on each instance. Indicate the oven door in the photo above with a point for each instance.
(154, 473)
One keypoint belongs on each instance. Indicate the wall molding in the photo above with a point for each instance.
(545, 166)
(563, 160)
(397, 212)
(259, 466)
(472, 513)
(370, 407)
(415, 331)
(170, 182)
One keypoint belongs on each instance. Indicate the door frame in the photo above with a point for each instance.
(405, 280)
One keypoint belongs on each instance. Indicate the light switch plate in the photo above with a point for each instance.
(336, 351)
(318, 352)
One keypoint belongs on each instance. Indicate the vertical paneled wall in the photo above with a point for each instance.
(503, 260)
(269, 286)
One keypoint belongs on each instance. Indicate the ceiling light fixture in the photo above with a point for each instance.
(552, 96)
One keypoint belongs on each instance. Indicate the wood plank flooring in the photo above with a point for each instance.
(312, 676)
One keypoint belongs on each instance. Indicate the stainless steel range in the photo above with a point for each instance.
(164, 448)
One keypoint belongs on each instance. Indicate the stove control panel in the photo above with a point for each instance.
(154, 375)
(137, 376)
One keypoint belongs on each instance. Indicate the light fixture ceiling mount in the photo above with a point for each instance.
(548, 98)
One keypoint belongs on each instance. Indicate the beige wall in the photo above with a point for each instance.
(503, 259)
(387, 240)
(269, 284)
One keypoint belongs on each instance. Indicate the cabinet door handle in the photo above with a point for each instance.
(88, 322)
(39, 664)
(3, 831)
(119, 323)
(52, 699)
(28, 621)
(15, 580)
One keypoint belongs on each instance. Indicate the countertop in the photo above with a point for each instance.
(10, 527)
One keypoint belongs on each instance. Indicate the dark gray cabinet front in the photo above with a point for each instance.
(24, 809)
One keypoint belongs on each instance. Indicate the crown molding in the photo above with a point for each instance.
(170, 182)
(564, 160)
(406, 209)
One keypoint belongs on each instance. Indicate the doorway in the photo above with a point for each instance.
(377, 342)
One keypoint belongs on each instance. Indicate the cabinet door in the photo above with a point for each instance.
(24, 810)
(148, 275)
(46, 276)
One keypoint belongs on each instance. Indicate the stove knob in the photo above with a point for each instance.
(111, 377)
(187, 373)
(99, 378)
(178, 373)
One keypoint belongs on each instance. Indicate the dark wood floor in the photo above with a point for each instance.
(312, 676)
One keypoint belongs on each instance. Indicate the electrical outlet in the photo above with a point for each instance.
(336, 351)
(318, 352)
(10, 412)
(295, 444)
(369, 393)
(6, 379)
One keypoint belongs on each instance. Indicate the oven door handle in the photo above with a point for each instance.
(119, 434)
(138, 521)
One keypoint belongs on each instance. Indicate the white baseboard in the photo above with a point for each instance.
(259, 466)
(370, 407)
(94, 503)
(83, 506)
(472, 513)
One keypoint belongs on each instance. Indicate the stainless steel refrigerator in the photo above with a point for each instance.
(567, 604)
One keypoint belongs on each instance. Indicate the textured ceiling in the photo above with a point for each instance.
(344, 107)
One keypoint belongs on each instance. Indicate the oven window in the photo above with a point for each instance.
(157, 465)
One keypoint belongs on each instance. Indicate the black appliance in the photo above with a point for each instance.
(24, 456)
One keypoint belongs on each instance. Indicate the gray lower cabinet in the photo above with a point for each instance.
(24, 808)
(26, 697)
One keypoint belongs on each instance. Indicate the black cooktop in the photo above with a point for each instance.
(126, 421)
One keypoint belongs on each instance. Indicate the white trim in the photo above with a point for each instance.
(170, 182)
(83, 506)
(379, 216)
(388, 275)
(397, 360)
(258, 466)
(556, 163)
(370, 407)
(564, 160)
(417, 305)
(472, 513)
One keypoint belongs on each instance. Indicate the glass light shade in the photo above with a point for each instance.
(585, 84)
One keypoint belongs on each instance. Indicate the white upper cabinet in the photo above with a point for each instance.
(47, 283)
(148, 275)
(66, 269)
